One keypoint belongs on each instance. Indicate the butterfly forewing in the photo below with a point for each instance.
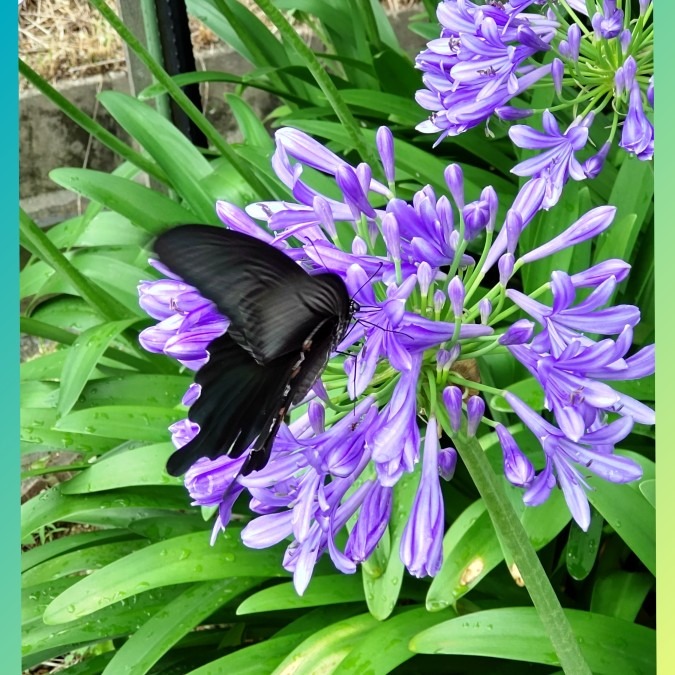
(272, 303)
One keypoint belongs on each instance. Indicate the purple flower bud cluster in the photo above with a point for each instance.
(478, 62)
(485, 56)
(372, 419)
(573, 369)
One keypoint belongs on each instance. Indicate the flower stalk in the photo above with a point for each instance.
(514, 538)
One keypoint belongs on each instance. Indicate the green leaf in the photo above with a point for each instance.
(81, 560)
(82, 358)
(470, 550)
(146, 208)
(68, 313)
(256, 659)
(37, 433)
(252, 129)
(325, 649)
(33, 238)
(583, 547)
(36, 394)
(625, 508)
(111, 622)
(643, 389)
(170, 526)
(135, 466)
(528, 390)
(170, 623)
(147, 423)
(648, 489)
(106, 228)
(90, 665)
(62, 545)
(115, 276)
(383, 571)
(163, 391)
(253, 40)
(609, 645)
(187, 558)
(51, 506)
(403, 110)
(369, 656)
(632, 195)
(34, 599)
(179, 159)
(327, 590)
(621, 594)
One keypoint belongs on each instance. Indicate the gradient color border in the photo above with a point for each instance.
(664, 17)
(10, 623)
(9, 340)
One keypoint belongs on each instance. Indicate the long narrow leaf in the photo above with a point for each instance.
(95, 296)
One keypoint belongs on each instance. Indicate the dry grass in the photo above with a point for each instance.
(66, 39)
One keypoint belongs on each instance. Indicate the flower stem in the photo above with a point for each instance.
(515, 539)
(470, 384)
(320, 75)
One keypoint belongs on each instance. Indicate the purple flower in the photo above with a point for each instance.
(487, 54)
(188, 322)
(447, 463)
(563, 322)
(573, 382)
(452, 397)
(517, 467)
(477, 65)
(519, 332)
(590, 225)
(422, 540)
(359, 431)
(637, 136)
(568, 460)
(608, 23)
(557, 163)
(371, 524)
(475, 408)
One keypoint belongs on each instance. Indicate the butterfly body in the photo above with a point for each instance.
(284, 324)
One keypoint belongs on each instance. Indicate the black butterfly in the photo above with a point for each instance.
(284, 324)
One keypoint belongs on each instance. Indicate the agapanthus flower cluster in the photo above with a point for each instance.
(490, 57)
(399, 387)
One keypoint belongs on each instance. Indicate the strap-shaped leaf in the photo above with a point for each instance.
(170, 623)
(133, 466)
(180, 160)
(327, 590)
(187, 558)
(609, 645)
(82, 358)
(147, 208)
(141, 423)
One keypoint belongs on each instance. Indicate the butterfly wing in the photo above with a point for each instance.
(239, 403)
(283, 325)
(272, 303)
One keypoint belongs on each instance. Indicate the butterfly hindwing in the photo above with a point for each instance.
(239, 401)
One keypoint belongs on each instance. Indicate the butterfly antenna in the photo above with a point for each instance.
(382, 328)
